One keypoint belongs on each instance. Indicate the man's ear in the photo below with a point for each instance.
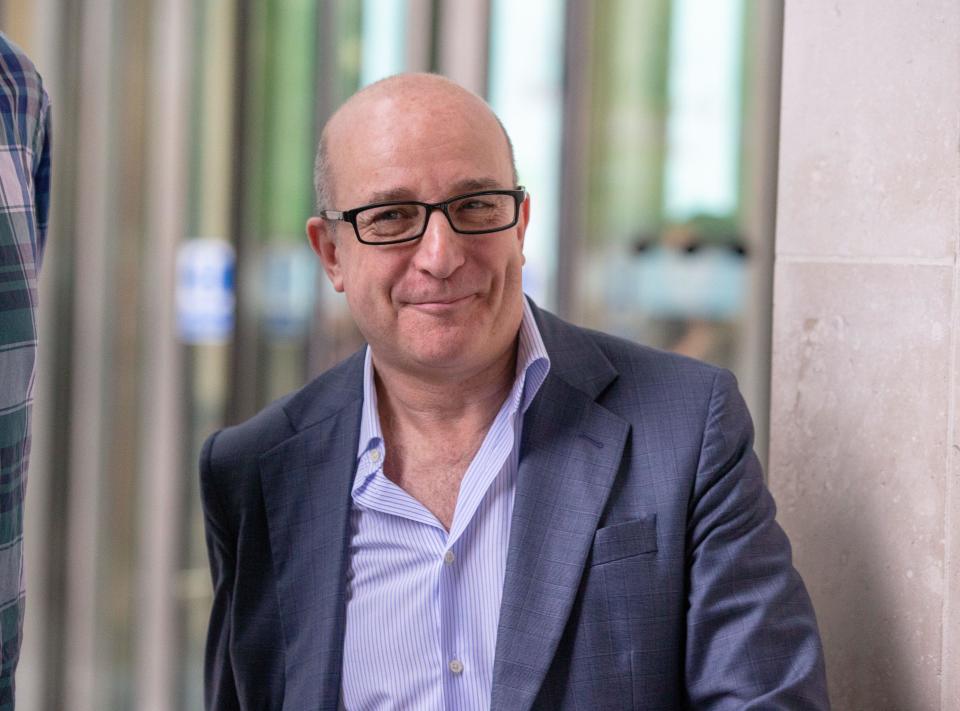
(324, 243)
(522, 220)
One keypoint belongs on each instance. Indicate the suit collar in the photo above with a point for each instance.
(575, 358)
(328, 394)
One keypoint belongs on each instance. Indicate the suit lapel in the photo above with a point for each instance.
(570, 454)
(306, 484)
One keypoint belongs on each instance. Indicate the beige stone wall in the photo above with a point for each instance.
(865, 439)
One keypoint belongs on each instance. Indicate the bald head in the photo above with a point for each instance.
(388, 101)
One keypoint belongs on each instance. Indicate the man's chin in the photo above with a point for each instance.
(436, 350)
(439, 358)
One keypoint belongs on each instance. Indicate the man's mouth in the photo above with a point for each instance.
(439, 304)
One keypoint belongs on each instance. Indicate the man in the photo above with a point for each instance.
(487, 507)
(24, 202)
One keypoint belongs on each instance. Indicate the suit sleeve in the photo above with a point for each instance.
(752, 639)
(220, 693)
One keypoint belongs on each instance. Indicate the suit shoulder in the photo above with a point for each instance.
(569, 342)
(654, 361)
(242, 444)
(623, 373)
(253, 437)
(692, 396)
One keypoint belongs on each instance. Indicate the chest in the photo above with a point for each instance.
(431, 472)
(427, 596)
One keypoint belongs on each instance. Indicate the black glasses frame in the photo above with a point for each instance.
(519, 194)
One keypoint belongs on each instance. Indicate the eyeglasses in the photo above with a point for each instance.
(403, 221)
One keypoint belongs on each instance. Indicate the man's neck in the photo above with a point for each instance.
(444, 403)
(433, 429)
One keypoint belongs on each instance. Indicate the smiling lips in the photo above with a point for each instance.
(440, 305)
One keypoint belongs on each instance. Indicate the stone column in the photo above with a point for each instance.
(865, 461)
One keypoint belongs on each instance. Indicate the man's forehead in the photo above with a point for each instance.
(452, 188)
(390, 137)
(400, 101)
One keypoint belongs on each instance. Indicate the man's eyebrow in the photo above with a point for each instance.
(472, 184)
(389, 195)
(467, 185)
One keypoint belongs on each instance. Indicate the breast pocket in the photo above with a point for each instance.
(625, 540)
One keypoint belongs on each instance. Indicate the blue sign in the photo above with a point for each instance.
(206, 297)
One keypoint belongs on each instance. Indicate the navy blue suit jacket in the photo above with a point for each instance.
(645, 569)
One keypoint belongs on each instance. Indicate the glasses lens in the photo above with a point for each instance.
(483, 213)
(389, 223)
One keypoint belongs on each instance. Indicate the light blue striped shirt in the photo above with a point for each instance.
(423, 604)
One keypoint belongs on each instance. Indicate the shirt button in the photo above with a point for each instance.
(375, 455)
(456, 666)
(449, 557)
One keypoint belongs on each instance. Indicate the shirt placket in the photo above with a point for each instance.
(458, 651)
(452, 651)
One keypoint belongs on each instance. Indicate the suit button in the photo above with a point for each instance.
(456, 666)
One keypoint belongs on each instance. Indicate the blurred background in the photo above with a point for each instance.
(179, 294)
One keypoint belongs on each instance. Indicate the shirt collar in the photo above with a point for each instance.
(533, 364)
(370, 433)
(533, 361)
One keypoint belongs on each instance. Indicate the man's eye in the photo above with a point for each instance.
(475, 204)
(389, 214)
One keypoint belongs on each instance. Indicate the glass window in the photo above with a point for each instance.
(526, 91)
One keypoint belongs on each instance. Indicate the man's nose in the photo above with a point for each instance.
(441, 251)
